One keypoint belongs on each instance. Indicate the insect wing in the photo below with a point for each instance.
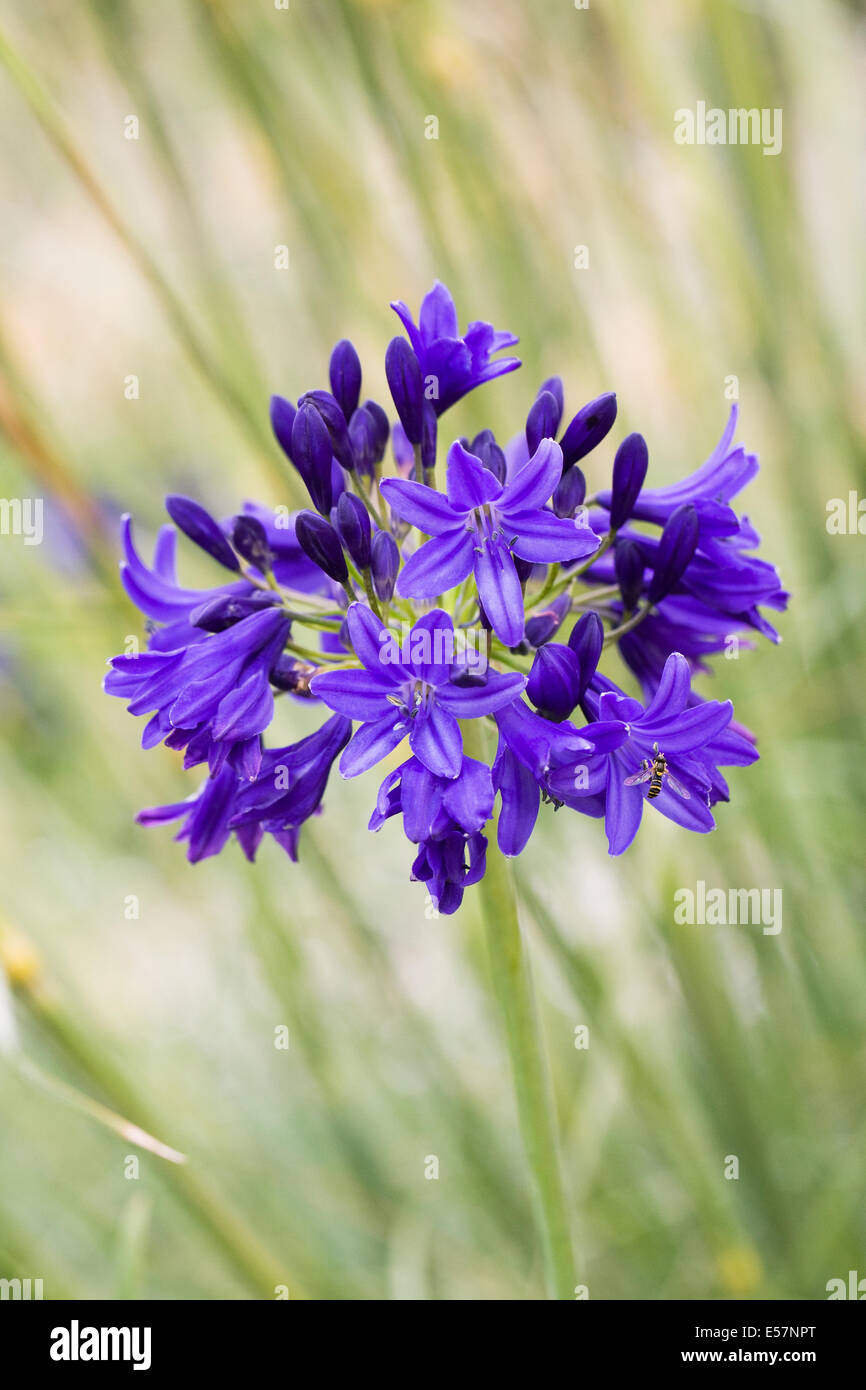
(676, 786)
(639, 777)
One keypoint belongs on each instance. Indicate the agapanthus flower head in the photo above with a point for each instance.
(429, 625)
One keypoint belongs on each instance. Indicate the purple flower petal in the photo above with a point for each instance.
(673, 689)
(536, 480)
(469, 483)
(547, 539)
(421, 506)
(245, 711)
(439, 565)
(500, 592)
(371, 743)
(438, 316)
(420, 799)
(436, 741)
(374, 646)
(623, 807)
(520, 800)
(472, 701)
(690, 729)
(431, 648)
(469, 799)
(356, 694)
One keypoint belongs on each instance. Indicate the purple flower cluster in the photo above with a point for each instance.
(455, 633)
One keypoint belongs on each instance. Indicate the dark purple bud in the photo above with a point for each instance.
(553, 384)
(524, 568)
(485, 448)
(554, 681)
(321, 544)
(406, 385)
(217, 614)
(628, 566)
(586, 641)
(542, 422)
(345, 376)
(384, 564)
(588, 428)
(629, 471)
(362, 436)
(569, 492)
(312, 452)
(542, 626)
(677, 545)
(353, 528)
(250, 540)
(428, 438)
(282, 419)
(335, 424)
(287, 673)
(380, 421)
(200, 526)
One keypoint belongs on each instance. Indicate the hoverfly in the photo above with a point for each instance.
(655, 772)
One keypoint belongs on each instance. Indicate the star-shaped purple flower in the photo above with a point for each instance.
(694, 739)
(455, 364)
(411, 690)
(481, 525)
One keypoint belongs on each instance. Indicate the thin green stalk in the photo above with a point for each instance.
(245, 1252)
(512, 981)
(634, 621)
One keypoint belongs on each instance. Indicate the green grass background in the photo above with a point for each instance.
(155, 257)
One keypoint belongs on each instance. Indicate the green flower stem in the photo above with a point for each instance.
(634, 621)
(367, 579)
(512, 983)
(429, 474)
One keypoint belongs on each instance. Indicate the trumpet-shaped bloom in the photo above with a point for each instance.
(693, 738)
(453, 364)
(480, 525)
(417, 691)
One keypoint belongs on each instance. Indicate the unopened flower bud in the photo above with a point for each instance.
(542, 626)
(200, 526)
(406, 385)
(629, 471)
(335, 423)
(250, 540)
(312, 453)
(345, 376)
(384, 564)
(542, 422)
(321, 544)
(569, 492)
(282, 419)
(677, 545)
(586, 640)
(485, 448)
(588, 428)
(353, 528)
(554, 681)
(629, 567)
